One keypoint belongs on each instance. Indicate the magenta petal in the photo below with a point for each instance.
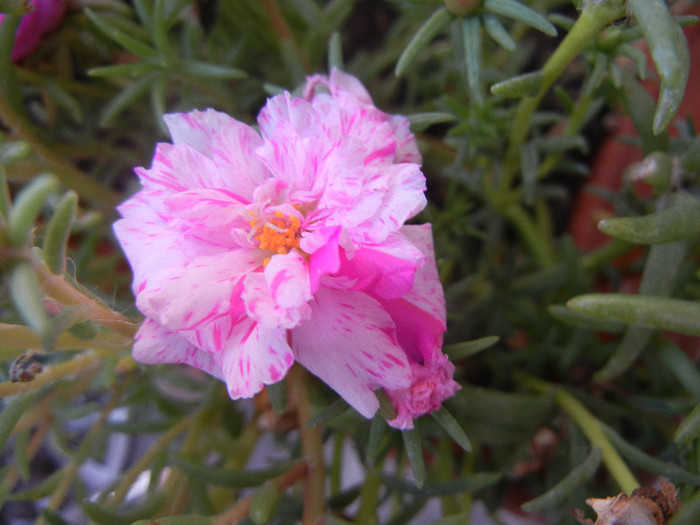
(325, 257)
(432, 383)
(419, 314)
(426, 293)
(387, 269)
(350, 343)
(45, 17)
(254, 357)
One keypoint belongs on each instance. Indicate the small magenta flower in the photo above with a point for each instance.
(254, 250)
(44, 17)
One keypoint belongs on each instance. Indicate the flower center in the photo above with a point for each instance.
(278, 235)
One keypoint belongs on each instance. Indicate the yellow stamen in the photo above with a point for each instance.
(278, 235)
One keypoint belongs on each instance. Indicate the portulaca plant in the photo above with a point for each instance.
(349, 262)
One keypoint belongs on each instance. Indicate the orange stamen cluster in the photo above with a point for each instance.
(279, 235)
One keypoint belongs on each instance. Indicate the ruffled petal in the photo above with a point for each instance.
(350, 343)
(406, 147)
(149, 245)
(279, 296)
(254, 357)
(197, 294)
(207, 217)
(419, 315)
(228, 143)
(323, 247)
(432, 383)
(154, 344)
(427, 293)
(385, 270)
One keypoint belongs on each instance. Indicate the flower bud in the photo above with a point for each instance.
(462, 7)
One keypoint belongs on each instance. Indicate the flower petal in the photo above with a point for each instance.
(195, 295)
(350, 343)
(432, 383)
(155, 344)
(279, 296)
(208, 217)
(403, 189)
(254, 357)
(230, 144)
(419, 315)
(385, 270)
(324, 259)
(148, 244)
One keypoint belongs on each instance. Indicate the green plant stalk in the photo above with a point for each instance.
(5, 203)
(242, 507)
(140, 466)
(531, 235)
(369, 497)
(69, 175)
(589, 24)
(592, 429)
(20, 337)
(312, 450)
(71, 470)
(57, 287)
(37, 439)
(336, 468)
(573, 126)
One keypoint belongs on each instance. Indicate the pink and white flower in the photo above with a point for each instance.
(254, 250)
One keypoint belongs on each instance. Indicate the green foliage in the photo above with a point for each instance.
(572, 360)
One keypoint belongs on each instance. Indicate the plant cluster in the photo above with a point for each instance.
(572, 319)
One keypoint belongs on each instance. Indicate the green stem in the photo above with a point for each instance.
(57, 287)
(141, 465)
(70, 471)
(533, 238)
(573, 126)
(589, 24)
(312, 449)
(369, 497)
(592, 428)
(69, 175)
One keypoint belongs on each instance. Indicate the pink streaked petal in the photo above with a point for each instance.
(279, 296)
(254, 357)
(230, 144)
(148, 244)
(344, 84)
(403, 187)
(197, 294)
(350, 344)
(385, 270)
(427, 293)
(419, 333)
(323, 246)
(196, 128)
(287, 114)
(181, 167)
(419, 314)
(287, 276)
(407, 149)
(207, 216)
(154, 344)
(431, 384)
